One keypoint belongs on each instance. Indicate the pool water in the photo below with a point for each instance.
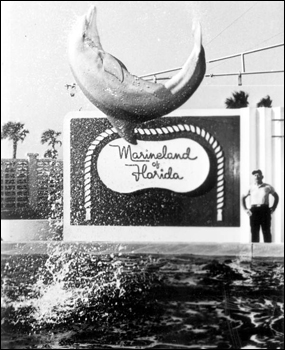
(72, 300)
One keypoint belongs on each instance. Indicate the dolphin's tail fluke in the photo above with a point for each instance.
(125, 129)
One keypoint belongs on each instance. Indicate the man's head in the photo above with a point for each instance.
(257, 175)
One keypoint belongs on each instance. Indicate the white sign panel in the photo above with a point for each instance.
(180, 165)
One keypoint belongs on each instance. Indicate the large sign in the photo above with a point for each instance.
(182, 172)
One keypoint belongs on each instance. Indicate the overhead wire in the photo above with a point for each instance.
(230, 26)
(232, 23)
(265, 40)
(256, 45)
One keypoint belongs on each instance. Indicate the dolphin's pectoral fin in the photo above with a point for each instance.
(112, 66)
(125, 129)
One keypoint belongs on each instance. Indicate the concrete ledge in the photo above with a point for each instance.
(239, 250)
(268, 250)
(27, 230)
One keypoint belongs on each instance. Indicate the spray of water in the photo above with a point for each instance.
(73, 287)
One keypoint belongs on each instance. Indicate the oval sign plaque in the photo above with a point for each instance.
(180, 165)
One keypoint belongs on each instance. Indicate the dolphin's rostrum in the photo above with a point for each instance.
(126, 99)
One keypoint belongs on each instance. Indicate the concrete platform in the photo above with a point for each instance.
(268, 250)
(27, 230)
(238, 250)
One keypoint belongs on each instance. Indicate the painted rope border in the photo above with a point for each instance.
(160, 131)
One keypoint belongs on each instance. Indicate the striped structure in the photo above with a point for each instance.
(14, 184)
(29, 182)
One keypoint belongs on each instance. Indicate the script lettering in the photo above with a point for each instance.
(180, 165)
(127, 153)
(145, 174)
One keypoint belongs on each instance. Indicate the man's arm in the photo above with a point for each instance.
(276, 201)
(243, 201)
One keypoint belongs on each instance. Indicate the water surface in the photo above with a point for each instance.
(73, 300)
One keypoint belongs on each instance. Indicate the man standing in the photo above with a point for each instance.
(259, 212)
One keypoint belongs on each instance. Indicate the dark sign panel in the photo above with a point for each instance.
(184, 171)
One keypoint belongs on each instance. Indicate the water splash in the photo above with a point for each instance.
(73, 286)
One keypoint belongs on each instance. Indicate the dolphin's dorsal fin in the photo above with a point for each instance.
(125, 129)
(112, 66)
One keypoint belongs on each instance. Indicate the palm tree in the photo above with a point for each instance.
(265, 102)
(239, 100)
(14, 131)
(50, 137)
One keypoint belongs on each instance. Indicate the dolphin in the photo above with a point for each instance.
(124, 98)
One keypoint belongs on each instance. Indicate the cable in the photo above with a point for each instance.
(265, 40)
(232, 23)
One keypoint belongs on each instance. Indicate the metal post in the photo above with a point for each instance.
(242, 63)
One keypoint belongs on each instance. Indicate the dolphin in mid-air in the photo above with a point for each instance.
(126, 99)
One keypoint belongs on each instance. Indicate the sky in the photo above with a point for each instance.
(147, 36)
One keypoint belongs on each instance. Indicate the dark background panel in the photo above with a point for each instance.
(157, 207)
